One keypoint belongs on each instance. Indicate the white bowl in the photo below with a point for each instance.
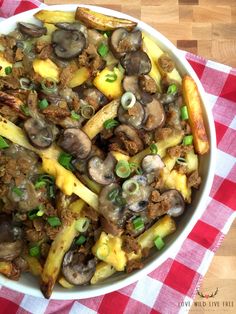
(29, 284)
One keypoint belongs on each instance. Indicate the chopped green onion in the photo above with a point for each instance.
(54, 221)
(75, 115)
(40, 213)
(25, 110)
(153, 149)
(81, 239)
(184, 113)
(82, 224)
(120, 201)
(87, 111)
(107, 33)
(103, 50)
(128, 100)
(47, 178)
(111, 196)
(32, 214)
(172, 89)
(110, 123)
(123, 169)
(181, 161)
(159, 243)
(3, 143)
(130, 187)
(138, 223)
(65, 160)
(52, 88)
(8, 70)
(26, 84)
(17, 191)
(135, 166)
(121, 69)
(39, 184)
(51, 191)
(34, 251)
(112, 77)
(188, 140)
(43, 104)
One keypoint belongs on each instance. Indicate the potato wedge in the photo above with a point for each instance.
(102, 22)
(119, 156)
(34, 266)
(3, 64)
(64, 283)
(194, 105)
(103, 271)
(192, 161)
(53, 17)
(79, 77)
(46, 69)
(110, 89)
(67, 182)
(95, 124)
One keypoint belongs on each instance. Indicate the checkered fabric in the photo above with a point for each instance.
(176, 280)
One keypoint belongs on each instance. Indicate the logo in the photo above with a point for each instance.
(206, 295)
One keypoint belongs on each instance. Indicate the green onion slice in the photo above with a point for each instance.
(39, 184)
(159, 243)
(43, 104)
(172, 89)
(25, 110)
(34, 251)
(82, 224)
(130, 187)
(123, 169)
(80, 240)
(75, 115)
(65, 160)
(119, 201)
(26, 84)
(32, 214)
(110, 123)
(188, 140)
(54, 221)
(181, 161)
(3, 143)
(103, 50)
(87, 111)
(17, 191)
(138, 223)
(8, 70)
(153, 149)
(128, 100)
(184, 113)
(52, 88)
(112, 77)
(111, 196)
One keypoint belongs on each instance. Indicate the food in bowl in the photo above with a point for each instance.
(99, 147)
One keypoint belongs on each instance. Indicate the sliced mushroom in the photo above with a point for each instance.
(102, 171)
(152, 163)
(177, 202)
(127, 135)
(39, 132)
(75, 271)
(95, 98)
(136, 63)
(147, 84)
(32, 30)
(75, 142)
(122, 41)
(155, 115)
(68, 44)
(138, 201)
(10, 239)
(131, 84)
(133, 116)
(73, 27)
(111, 204)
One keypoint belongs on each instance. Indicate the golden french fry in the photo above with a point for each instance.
(53, 17)
(119, 156)
(194, 105)
(92, 185)
(191, 161)
(102, 22)
(64, 283)
(79, 77)
(34, 266)
(103, 271)
(95, 124)
(46, 69)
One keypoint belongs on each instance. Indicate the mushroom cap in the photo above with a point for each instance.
(130, 133)
(176, 201)
(155, 115)
(32, 30)
(122, 41)
(39, 132)
(75, 271)
(68, 43)
(135, 119)
(152, 163)
(75, 142)
(136, 63)
(102, 171)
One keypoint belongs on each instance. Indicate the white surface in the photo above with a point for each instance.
(30, 285)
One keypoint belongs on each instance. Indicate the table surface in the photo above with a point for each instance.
(207, 28)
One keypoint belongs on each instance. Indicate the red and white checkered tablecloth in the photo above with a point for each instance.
(176, 280)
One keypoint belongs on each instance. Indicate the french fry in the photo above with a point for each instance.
(46, 69)
(194, 105)
(119, 156)
(95, 124)
(79, 77)
(53, 17)
(191, 161)
(47, 38)
(92, 185)
(102, 22)
(103, 271)
(34, 266)
(64, 283)
(67, 182)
